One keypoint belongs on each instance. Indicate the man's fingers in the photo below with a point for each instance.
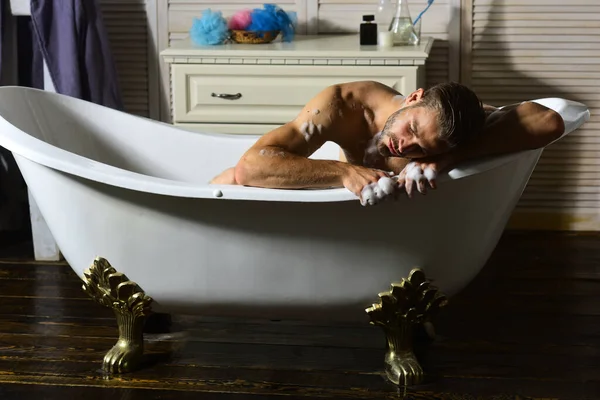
(430, 174)
(402, 175)
(421, 186)
(409, 187)
(366, 194)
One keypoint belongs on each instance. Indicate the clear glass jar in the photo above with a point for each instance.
(402, 27)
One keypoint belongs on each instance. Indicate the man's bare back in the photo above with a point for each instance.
(379, 131)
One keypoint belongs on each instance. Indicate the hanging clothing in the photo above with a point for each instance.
(3, 26)
(71, 36)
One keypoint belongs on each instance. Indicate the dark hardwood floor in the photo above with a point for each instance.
(528, 327)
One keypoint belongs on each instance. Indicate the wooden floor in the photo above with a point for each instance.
(527, 327)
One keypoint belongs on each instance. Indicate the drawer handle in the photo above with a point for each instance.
(227, 96)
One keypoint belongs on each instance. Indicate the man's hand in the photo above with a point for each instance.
(422, 172)
(364, 183)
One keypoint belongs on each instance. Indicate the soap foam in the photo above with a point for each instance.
(374, 193)
(430, 174)
(304, 131)
(414, 172)
(309, 128)
(271, 153)
(417, 174)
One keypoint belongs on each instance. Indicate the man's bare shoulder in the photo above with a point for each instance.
(357, 91)
(493, 113)
(366, 90)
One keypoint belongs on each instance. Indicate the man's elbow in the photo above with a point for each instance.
(248, 170)
(554, 127)
(242, 173)
(548, 126)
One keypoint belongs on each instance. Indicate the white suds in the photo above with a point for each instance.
(430, 174)
(311, 128)
(415, 173)
(271, 153)
(308, 129)
(304, 131)
(373, 193)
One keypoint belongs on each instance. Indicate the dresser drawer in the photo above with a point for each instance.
(265, 94)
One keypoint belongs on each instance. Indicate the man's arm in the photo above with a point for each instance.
(279, 159)
(525, 126)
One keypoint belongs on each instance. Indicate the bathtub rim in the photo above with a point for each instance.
(22, 144)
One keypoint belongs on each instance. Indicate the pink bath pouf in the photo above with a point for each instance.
(240, 20)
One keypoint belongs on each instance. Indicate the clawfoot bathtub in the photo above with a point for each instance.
(127, 194)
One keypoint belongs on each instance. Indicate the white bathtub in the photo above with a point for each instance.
(134, 191)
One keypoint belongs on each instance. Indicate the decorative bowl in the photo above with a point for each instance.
(253, 37)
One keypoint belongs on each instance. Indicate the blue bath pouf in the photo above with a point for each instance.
(273, 18)
(210, 29)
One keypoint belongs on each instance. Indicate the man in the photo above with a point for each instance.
(416, 137)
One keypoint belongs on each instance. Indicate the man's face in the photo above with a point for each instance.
(411, 132)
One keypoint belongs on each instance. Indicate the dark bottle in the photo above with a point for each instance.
(368, 30)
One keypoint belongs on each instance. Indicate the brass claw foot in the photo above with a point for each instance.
(403, 368)
(410, 302)
(131, 305)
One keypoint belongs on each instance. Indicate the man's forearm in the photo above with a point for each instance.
(525, 127)
(275, 168)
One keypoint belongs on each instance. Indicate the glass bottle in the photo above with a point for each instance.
(402, 28)
(384, 14)
(368, 31)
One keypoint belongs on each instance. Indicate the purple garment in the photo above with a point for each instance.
(72, 38)
(3, 14)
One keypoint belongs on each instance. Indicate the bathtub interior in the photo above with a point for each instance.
(126, 141)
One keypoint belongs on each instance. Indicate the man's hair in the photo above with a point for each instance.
(460, 113)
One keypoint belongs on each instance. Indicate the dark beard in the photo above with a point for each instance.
(382, 147)
(384, 138)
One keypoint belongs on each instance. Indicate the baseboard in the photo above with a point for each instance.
(576, 220)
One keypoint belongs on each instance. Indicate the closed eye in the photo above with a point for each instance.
(413, 129)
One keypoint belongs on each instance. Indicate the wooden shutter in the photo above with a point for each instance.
(128, 33)
(527, 49)
(337, 16)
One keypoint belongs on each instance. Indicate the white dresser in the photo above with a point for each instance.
(250, 89)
